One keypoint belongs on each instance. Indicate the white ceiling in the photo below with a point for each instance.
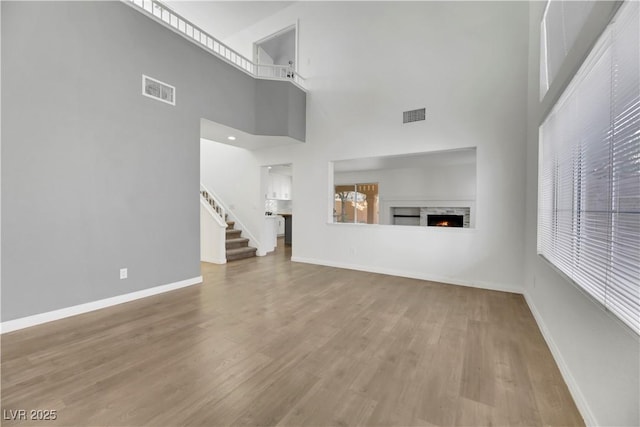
(464, 156)
(222, 19)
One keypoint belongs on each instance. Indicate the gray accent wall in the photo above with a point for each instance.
(95, 176)
(271, 121)
(297, 122)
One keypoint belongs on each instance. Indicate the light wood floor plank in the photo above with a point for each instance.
(264, 341)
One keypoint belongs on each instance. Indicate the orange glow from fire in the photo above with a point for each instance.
(442, 224)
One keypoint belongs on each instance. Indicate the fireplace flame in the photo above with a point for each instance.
(442, 224)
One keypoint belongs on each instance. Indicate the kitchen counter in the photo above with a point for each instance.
(269, 237)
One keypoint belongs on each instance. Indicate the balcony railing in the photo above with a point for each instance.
(167, 17)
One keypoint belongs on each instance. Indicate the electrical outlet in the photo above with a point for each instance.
(123, 273)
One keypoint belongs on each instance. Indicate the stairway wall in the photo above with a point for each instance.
(234, 175)
(212, 238)
(95, 176)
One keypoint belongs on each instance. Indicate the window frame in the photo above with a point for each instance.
(548, 228)
(355, 202)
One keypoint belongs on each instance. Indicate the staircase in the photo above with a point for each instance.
(237, 247)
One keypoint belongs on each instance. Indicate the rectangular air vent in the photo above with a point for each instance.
(414, 115)
(158, 90)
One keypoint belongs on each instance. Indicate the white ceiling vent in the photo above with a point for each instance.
(414, 115)
(158, 90)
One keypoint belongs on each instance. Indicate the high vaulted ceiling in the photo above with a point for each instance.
(222, 19)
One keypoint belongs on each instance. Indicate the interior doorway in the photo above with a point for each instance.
(277, 187)
(278, 52)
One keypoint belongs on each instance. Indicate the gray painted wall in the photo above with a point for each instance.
(297, 122)
(600, 355)
(268, 120)
(271, 121)
(95, 176)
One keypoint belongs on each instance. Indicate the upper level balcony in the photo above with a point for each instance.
(170, 19)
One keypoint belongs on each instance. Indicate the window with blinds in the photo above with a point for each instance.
(561, 23)
(589, 177)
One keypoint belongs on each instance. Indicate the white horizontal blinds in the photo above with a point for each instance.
(546, 190)
(589, 200)
(565, 175)
(561, 23)
(623, 295)
(593, 178)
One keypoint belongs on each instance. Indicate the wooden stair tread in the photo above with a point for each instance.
(241, 250)
(235, 243)
(237, 240)
(240, 253)
(230, 233)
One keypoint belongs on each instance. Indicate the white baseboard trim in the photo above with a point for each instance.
(37, 319)
(215, 260)
(411, 275)
(574, 389)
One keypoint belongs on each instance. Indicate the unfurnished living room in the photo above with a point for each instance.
(314, 213)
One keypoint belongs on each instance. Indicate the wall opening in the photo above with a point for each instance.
(280, 48)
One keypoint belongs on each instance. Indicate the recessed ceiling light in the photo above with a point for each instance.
(231, 138)
(269, 167)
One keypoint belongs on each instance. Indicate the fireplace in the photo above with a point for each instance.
(445, 220)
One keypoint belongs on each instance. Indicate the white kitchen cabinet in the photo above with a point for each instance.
(279, 187)
(286, 187)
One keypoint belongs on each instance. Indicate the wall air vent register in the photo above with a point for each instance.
(158, 90)
(414, 115)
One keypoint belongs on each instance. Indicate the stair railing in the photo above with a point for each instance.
(217, 207)
(170, 19)
(213, 225)
(276, 72)
(225, 215)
